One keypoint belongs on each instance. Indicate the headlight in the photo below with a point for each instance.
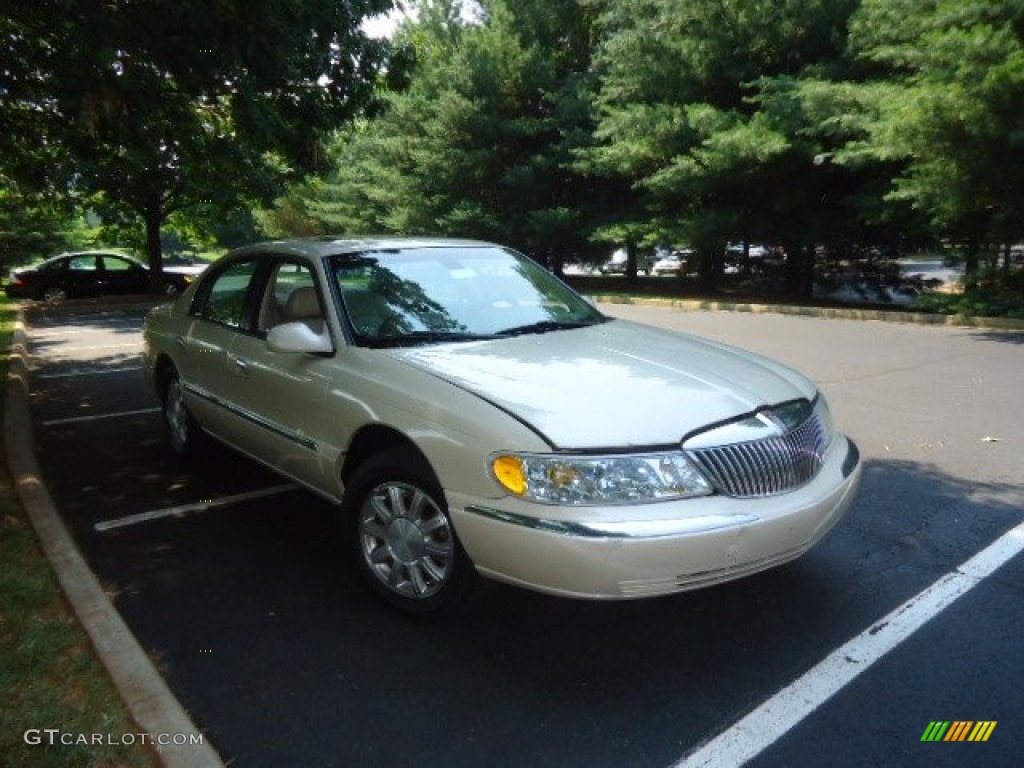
(595, 480)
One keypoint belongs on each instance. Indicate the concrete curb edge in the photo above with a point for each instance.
(841, 313)
(145, 693)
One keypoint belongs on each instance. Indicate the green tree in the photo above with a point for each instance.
(178, 106)
(681, 119)
(478, 144)
(945, 96)
(30, 225)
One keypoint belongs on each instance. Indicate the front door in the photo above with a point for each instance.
(282, 394)
(119, 275)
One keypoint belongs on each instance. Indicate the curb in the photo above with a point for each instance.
(835, 313)
(145, 693)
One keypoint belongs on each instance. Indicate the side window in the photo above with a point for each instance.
(82, 263)
(57, 265)
(290, 295)
(224, 300)
(115, 264)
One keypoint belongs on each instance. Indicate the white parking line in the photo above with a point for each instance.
(774, 718)
(49, 332)
(87, 372)
(184, 509)
(97, 417)
(91, 347)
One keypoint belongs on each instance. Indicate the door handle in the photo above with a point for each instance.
(241, 366)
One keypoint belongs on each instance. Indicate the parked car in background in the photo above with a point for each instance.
(463, 408)
(672, 264)
(92, 273)
(752, 258)
(618, 261)
(179, 260)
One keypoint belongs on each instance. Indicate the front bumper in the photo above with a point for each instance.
(660, 548)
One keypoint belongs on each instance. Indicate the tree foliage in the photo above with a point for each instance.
(689, 112)
(31, 225)
(161, 106)
(479, 142)
(558, 126)
(949, 110)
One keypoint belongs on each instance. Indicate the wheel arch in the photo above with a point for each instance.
(398, 565)
(162, 368)
(378, 439)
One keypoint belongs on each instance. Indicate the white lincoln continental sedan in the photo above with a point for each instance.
(472, 415)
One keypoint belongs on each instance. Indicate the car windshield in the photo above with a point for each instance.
(457, 293)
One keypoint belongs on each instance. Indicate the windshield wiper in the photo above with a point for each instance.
(544, 326)
(422, 337)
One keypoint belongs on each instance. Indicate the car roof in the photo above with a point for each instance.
(66, 254)
(72, 254)
(328, 245)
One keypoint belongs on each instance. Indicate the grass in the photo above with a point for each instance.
(50, 678)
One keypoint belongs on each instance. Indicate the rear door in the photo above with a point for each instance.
(82, 275)
(220, 314)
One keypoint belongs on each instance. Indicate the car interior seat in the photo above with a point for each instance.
(303, 305)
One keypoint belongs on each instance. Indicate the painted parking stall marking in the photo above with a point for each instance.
(785, 710)
(68, 342)
(185, 509)
(88, 372)
(98, 417)
(48, 363)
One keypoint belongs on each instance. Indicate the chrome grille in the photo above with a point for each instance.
(767, 466)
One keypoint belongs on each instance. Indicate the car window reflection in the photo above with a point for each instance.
(451, 294)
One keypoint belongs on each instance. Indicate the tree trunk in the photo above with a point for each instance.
(631, 265)
(799, 270)
(706, 268)
(807, 273)
(556, 262)
(971, 264)
(154, 248)
(794, 268)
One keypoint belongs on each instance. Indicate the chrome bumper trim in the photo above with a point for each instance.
(633, 529)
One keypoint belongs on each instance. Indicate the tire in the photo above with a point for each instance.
(53, 294)
(184, 434)
(402, 536)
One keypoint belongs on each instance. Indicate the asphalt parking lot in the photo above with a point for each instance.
(234, 583)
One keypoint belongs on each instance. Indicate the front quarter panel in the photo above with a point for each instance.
(157, 336)
(454, 429)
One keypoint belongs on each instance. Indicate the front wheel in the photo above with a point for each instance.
(404, 541)
(183, 432)
(53, 294)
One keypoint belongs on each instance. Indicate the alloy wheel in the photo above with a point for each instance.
(406, 540)
(176, 416)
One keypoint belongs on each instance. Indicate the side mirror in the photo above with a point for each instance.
(298, 337)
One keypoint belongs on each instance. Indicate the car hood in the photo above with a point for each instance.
(614, 385)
